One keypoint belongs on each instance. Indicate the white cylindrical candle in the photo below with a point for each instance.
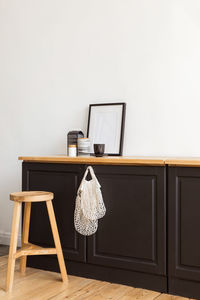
(72, 150)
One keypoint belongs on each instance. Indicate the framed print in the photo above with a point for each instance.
(106, 126)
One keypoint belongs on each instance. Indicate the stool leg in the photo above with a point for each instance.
(25, 234)
(13, 245)
(56, 240)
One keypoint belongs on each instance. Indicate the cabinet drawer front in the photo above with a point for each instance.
(132, 235)
(63, 181)
(184, 223)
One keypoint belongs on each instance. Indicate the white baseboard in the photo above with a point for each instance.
(5, 239)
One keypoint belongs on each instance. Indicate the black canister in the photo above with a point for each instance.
(72, 138)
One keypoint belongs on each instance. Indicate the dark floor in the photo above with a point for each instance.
(4, 250)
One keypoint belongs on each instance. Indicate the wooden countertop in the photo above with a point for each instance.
(183, 162)
(106, 160)
(117, 160)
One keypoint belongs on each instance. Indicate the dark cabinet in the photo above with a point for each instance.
(149, 236)
(130, 244)
(63, 180)
(184, 228)
(132, 234)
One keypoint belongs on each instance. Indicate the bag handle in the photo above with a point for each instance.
(89, 168)
(93, 175)
(85, 174)
(82, 181)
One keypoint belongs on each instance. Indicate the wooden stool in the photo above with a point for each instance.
(27, 248)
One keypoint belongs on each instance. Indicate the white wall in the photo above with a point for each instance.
(58, 56)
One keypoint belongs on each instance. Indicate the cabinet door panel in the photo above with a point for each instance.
(63, 181)
(184, 223)
(132, 234)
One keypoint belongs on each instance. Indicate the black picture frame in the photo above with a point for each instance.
(119, 151)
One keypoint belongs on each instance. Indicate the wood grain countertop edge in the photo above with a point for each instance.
(179, 162)
(114, 160)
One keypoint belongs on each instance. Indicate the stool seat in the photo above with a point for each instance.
(31, 196)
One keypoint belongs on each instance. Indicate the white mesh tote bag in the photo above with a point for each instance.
(89, 205)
